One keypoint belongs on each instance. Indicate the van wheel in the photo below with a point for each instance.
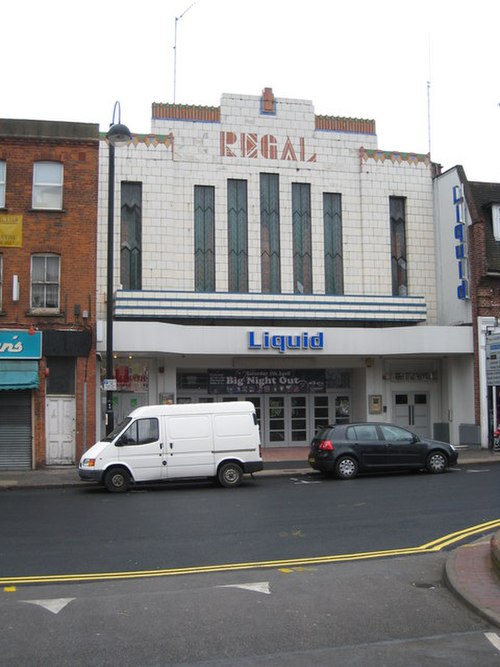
(230, 474)
(117, 480)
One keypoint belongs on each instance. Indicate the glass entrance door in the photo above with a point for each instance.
(298, 419)
(276, 420)
(285, 421)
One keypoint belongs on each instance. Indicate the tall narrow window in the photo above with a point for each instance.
(332, 225)
(301, 225)
(3, 170)
(48, 185)
(204, 238)
(398, 246)
(237, 235)
(131, 236)
(45, 282)
(270, 233)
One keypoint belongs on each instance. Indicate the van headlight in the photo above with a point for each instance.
(88, 463)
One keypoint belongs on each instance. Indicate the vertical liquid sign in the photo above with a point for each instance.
(460, 234)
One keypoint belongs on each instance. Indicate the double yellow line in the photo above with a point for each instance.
(429, 547)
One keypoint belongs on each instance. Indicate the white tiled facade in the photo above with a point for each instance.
(241, 141)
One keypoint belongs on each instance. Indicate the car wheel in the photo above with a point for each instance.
(436, 463)
(230, 475)
(346, 467)
(117, 480)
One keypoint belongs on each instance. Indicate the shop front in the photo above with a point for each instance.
(20, 352)
(300, 380)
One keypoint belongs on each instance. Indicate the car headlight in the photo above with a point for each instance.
(88, 463)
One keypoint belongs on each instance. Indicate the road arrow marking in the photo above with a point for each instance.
(494, 639)
(54, 605)
(259, 587)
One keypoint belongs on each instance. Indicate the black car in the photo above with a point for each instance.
(346, 449)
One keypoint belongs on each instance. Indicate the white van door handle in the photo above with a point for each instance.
(171, 445)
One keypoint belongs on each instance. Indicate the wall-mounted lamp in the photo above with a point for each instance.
(15, 288)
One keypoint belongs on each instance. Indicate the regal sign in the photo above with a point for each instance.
(267, 146)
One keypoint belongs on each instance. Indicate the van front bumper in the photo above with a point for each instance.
(90, 475)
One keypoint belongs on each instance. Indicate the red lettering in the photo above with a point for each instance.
(288, 151)
(303, 158)
(269, 147)
(249, 145)
(227, 138)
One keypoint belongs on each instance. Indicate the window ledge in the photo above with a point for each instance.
(45, 312)
(47, 210)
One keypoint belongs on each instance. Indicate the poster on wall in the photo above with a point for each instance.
(131, 376)
(278, 381)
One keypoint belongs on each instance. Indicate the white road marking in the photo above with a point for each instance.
(494, 639)
(54, 605)
(258, 587)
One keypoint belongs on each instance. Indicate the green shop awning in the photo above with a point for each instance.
(19, 374)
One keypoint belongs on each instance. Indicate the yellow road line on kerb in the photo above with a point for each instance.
(429, 547)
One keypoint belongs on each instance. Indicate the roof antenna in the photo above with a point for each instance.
(178, 18)
(429, 100)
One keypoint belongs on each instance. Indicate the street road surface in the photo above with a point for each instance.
(383, 611)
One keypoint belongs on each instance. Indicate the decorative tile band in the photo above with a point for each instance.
(158, 305)
(148, 139)
(212, 115)
(338, 124)
(185, 112)
(395, 157)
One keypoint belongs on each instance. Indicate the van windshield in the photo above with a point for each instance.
(117, 430)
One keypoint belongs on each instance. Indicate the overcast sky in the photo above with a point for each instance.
(63, 60)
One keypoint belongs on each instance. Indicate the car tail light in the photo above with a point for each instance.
(326, 445)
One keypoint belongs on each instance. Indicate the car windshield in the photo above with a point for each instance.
(117, 430)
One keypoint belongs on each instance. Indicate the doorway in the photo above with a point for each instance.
(411, 410)
(60, 411)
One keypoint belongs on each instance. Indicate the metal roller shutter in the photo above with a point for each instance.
(15, 430)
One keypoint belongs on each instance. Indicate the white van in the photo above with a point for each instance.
(172, 442)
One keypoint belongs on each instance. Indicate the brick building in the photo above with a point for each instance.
(468, 219)
(48, 213)
(264, 252)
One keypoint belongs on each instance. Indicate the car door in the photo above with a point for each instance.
(367, 444)
(141, 448)
(404, 449)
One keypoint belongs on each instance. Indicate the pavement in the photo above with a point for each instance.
(472, 571)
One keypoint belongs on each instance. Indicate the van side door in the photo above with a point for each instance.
(141, 448)
(189, 446)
